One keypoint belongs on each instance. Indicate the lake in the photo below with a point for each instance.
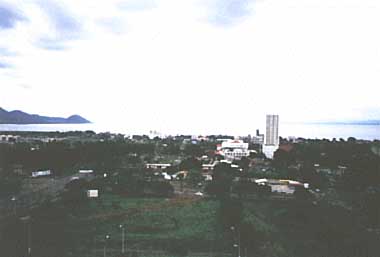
(305, 130)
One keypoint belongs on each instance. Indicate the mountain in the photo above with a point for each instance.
(19, 117)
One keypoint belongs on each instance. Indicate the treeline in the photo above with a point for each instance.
(361, 163)
(60, 156)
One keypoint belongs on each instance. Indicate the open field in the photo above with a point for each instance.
(156, 223)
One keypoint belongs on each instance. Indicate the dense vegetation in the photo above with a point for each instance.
(339, 216)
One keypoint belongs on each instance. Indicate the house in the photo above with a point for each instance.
(86, 171)
(92, 193)
(341, 170)
(9, 138)
(282, 186)
(166, 176)
(41, 173)
(157, 166)
(208, 167)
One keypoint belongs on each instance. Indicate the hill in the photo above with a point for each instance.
(19, 117)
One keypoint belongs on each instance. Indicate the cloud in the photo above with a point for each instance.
(4, 65)
(112, 24)
(24, 86)
(137, 5)
(65, 26)
(9, 16)
(6, 52)
(228, 12)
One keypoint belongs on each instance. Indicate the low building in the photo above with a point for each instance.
(283, 186)
(157, 166)
(92, 193)
(86, 171)
(207, 177)
(233, 149)
(41, 173)
(208, 167)
(269, 150)
(341, 170)
(9, 138)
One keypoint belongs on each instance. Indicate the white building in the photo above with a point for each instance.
(93, 193)
(233, 149)
(41, 173)
(271, 136)
(283, 186)
(157, 166)
(86, 171)
(272, 139)
(269, 150)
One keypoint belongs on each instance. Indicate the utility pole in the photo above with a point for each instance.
(28, 234)
(14, 199)
(238, 244)
(123, 245)
(29, 239)
(105, 246)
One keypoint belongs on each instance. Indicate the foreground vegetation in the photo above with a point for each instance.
(339, 216)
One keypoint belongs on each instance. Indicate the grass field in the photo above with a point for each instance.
(281, 227)
(158, 223)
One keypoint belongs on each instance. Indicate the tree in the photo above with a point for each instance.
(190, 163)
(282, 159)
(220, 185)
(75, 193)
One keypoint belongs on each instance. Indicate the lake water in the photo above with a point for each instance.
(329, 131)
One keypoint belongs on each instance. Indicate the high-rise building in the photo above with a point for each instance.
(271, 137)
(272, 140)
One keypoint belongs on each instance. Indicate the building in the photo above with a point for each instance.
(86, 171)
(272, 140)
(271, 136)
(41, 173)
(258, 139)
(282, 186)
(269, 150)
(92, 193)
(9, 139)
(157, 166)
(208, 167)
(233, 149)
(341, 170)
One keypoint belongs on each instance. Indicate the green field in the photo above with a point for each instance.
(177, 226)
(177, 223)
(156, 223)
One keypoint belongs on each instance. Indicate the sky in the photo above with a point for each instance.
(191, 64)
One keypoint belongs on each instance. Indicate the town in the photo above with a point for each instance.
(105, 194)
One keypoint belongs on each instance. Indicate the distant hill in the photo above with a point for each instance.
(19, 117)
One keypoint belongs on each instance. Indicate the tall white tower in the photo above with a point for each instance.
(271, 137)
(272, 140)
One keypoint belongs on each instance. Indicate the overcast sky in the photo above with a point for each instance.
(191, 63)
